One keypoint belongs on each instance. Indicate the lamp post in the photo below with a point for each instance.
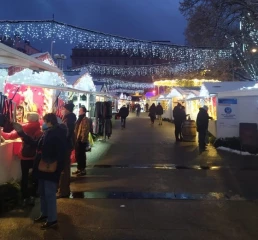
(60, 60)
(51, 49)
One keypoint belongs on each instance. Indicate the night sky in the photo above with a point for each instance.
(140, 19)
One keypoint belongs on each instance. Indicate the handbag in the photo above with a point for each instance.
(47, 167)
(28, 151)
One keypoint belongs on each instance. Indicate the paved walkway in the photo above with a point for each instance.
(141, 185)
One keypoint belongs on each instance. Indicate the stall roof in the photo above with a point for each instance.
(239, 93)
(67, 89)
(11, 57)
(215, 88)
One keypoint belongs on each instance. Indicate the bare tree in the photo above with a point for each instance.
(225, 23)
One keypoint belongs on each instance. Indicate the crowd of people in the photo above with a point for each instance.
(47, 150)
(180, 116)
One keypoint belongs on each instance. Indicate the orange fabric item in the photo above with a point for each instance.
(72, 158)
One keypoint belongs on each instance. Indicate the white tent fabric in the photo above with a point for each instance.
(208, 89)
(11, 57)
(27, 76)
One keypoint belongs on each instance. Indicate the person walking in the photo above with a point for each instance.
(147, 107)
(159, 112)
(152, 113)
(27, 154)
(123, 113)
(49, 163)
(138, 109)
(177, 114)
(82, 129)
(202, 123)
(69, 120)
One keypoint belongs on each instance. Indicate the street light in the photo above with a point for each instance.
(60, 60)
(254, 50)
(51, 50)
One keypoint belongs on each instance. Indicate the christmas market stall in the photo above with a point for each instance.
(18, 70)
(209, 96)
(82, 80)
(237, 114)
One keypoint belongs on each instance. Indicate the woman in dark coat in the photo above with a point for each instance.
(152, 113)
(50, 150)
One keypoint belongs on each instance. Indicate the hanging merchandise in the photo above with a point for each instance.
(2, 109)
(8, 113)
(108, 128)
(108, 108)
(75, 98)
(83, 97)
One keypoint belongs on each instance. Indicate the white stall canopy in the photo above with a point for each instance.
(11, 57)
(209, 89)
(26, 76)
(182, 93)
(235, 107)
(81, 80)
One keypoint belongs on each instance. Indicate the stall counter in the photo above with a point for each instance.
(9, 163)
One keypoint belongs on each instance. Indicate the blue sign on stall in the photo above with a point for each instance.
(227, 101)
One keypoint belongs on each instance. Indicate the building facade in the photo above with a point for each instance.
(82, 56)
(20, 45)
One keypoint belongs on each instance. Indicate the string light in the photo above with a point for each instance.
(124, 90)
(84, 38)
(159, 70)
(115, 83)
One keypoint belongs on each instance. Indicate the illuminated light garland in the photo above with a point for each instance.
(175, 82)
(160, 70)
(115, 83)
(124, 90)
(49, 29)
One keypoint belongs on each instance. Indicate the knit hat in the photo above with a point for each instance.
(69, 107)
(205, 107)
(32, 117)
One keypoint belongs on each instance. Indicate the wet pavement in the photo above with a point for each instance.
(140, 184)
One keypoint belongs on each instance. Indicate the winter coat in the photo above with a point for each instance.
(202, 120)
(152, 111)
(177, 114)
(124, 112)
(50, 148)
(82, 130)
(33, 130)
(69, 120)
(159, 110)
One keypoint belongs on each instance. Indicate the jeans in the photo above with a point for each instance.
(64, 184)
(152, 117)
(80, 155)
(47, 192)
(26, 165)
(123, 120)
(160, 119)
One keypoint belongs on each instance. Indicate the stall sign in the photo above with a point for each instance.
(227, 108)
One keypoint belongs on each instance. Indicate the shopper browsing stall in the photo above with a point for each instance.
(49, 162)
(82, 129)
(27, 153)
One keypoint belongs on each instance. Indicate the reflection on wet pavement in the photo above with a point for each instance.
(149, 195)
(173, 167)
